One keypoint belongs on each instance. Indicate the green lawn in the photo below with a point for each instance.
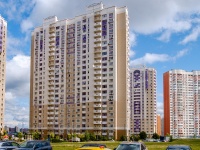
(194, 143)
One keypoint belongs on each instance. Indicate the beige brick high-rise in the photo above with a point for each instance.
(80, 75)
(3, 38)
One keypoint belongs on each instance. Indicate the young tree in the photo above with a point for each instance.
(87, 136)
(20, 135)
(143, 135)
(155, 136)
(36, 135)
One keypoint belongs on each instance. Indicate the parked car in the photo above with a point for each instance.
(131, 146)
(178, 147)
(8, 145)
(35, 145)
(93, 146)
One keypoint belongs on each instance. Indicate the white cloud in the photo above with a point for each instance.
(14, 45)
(132, 39)
(150, 58)
(18, 75)
(180, 54)
(165, 37)
(192, 36)
(17, 90)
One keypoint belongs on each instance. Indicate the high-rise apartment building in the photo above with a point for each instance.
(181, 103)
(159, 124)
(80, 74)
(143, 100)
(3, 37)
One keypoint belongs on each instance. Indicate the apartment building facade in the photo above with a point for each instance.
(80, 74)
(143, 101)
(3, 39)
(181, 103)
(159, 125)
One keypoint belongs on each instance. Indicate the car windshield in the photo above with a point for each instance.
(28, 144)
(128, 147)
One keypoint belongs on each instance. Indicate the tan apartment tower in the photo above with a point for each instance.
(80, 74)
(3, 38)
(181, 103)
(159, 125)
(143, 100)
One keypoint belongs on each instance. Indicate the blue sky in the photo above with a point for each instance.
(163, 35)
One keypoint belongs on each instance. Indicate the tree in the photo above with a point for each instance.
(36, 135)
(143, 135)
(20, 135)
(122, 138)
(155, 136)
(87, 136)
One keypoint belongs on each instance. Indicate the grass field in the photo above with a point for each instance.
(194, 143)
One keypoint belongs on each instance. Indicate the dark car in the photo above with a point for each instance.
(35, 145)
(178, 147)
(131, 146)
(8, 145)
(93, 146)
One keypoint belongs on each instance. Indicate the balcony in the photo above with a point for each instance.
(51, 50)
(97, 100)
(51, 45)
(52, 35)
(51, 29)
(50, 108)
(97, 24)
(97, 105)
(97, 30)
(97, 14)
(52, 40)
(97, 127)
(97, 117)
(97, 83)
(97, 56)
(97, 78)
(51, 93)
(97, 67)
(50, 113)
(97, 62)
(97, 122)
(97, 89)
(51, 70)
(51, 64)
(104, 133)
(97, 50)
(50, 118)
(97, 19)
(97, 111)
(97, 94)
(97, 45)
(97, 35)
(98, 40)
(51, 79)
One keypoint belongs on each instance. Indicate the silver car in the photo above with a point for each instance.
(131, 146)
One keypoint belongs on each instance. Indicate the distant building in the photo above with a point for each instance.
(182, 103)
(159, 125)
(15, 130)
(80, 74)
(3, 39)
(143, 100)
